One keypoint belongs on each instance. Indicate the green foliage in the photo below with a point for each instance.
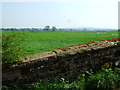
(80, 82)
(51, 85)
(47, 28)
(12, 47)
(53, 28)
(105, 78)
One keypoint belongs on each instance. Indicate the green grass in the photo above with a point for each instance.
(37, 42)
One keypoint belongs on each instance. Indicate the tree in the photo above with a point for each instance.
(53, 28)
(47, 28)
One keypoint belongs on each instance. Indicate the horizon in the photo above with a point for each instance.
(59, 28)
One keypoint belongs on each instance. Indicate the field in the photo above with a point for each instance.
(37, 42)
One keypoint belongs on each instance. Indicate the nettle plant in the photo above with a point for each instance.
(12, 47)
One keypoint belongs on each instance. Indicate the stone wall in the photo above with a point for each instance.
(66, 62)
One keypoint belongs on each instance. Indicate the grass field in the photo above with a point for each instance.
(37, 42)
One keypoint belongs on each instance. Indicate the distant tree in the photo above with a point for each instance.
(47, 28)
(53, 28)
(84, 29)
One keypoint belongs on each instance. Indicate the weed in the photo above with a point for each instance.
(12, 47)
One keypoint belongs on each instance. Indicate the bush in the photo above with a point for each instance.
(105, 78)
(12, 47)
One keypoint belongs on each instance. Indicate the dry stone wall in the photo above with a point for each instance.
(66, 62)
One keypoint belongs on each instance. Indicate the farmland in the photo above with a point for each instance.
(42, 41)
(36, 42)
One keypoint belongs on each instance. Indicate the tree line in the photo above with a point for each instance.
(46, 28)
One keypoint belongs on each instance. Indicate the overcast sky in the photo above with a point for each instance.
(67, 14)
